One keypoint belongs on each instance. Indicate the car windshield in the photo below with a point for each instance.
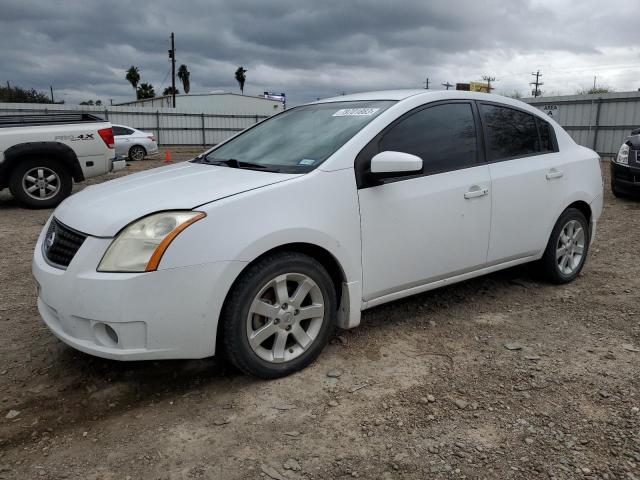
(297, 140)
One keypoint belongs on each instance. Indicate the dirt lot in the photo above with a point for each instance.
(425, 388)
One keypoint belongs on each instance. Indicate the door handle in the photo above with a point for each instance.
(475, 192)
(554, 173)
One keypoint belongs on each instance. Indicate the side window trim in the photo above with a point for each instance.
(362, 163)
(485, 135)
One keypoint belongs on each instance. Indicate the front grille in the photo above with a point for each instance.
(61, 244)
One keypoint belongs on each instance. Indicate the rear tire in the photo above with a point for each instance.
(566, 252)
(279, 315)
(40, 183)
(137, 153)
(616, 193)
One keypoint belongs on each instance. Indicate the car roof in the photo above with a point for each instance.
(400, 95)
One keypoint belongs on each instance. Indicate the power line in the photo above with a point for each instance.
(536, 91)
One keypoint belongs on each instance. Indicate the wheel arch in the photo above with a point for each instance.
(52, 150)
(347, 318)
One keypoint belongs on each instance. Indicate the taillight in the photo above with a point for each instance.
(106, 134)
(152, 138)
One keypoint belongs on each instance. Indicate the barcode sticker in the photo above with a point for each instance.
(352, 112)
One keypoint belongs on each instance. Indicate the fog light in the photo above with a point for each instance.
(105, 334)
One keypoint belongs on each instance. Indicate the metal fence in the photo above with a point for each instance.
(170, 126)
(600, 121)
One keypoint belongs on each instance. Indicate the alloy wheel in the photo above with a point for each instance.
(285, 317)
(41, 183)
(570, 247)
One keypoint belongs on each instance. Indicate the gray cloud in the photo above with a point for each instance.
(314, 49)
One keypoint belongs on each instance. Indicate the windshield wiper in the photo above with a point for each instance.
(233, 163)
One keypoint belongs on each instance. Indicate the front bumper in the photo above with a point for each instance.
(170, 313)
(625, 179)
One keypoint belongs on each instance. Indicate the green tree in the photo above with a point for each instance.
(133, 77)
(20, 95)
(241, 77)
(145, 90)
(183, 75)
(595, 90)
(169, 91)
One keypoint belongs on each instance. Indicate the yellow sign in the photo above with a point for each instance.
(478, 87)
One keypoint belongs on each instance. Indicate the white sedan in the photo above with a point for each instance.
(134, 144)
(262, 245)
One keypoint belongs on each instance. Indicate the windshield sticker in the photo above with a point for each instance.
(352, 112)
(306, 161)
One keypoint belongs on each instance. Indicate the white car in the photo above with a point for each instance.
(261, 245)
(134, 144)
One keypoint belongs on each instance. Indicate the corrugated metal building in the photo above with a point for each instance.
(598, 121)
(221, 103)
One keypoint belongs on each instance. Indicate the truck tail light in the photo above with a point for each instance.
(107, 137)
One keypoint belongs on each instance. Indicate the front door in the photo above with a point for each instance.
(422, 228)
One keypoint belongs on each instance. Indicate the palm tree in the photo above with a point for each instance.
(145, 90)
(241, 77)
(133, 77)
(183, 75)
(169, 91)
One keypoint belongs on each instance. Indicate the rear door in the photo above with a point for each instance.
(122, 137)
(420, 228)
(527, 181)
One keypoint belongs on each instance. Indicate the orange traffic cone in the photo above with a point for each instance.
(167, 156)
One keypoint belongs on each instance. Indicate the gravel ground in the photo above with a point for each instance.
(499, 377)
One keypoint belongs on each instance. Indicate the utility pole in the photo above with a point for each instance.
(172, 56)
(426, 84)
(536, 91)
(51, 87)
(489, 79)
(448, 85)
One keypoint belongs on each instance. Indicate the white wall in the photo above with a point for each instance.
(220, 103)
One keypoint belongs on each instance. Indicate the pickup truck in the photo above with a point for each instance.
(42, 155)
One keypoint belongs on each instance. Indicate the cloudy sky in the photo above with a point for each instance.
(318, 48)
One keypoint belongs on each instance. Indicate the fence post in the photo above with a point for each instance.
(595, 127)
(256, 118)
(204, 137)
(158, 126)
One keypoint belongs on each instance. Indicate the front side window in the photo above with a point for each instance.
(510, 133)
(299, 139)
(444, 136)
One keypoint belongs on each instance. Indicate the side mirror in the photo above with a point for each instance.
(394, 164)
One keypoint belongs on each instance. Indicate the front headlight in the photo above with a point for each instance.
(623, 155)
(140, 246)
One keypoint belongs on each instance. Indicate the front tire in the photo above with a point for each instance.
(137, 153)
(567, 249)
(279, 315)
(40, 183)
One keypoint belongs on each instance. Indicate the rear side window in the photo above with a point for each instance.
(444, 136)
(511, 133)
(546, 139)
(118, 131)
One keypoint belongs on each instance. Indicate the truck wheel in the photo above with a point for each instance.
(40, 183)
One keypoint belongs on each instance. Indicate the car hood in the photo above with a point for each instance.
(103, 210)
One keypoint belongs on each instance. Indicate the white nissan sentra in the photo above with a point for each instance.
(260, 246)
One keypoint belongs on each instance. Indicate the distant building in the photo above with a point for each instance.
(222, 103)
